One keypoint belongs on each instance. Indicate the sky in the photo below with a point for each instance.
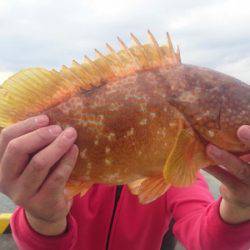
(50, 33)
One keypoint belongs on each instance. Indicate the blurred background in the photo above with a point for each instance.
(48, 33)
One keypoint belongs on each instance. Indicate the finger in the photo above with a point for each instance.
(235, 166)
(223, 176)
(37, 170)
(57, 180)
(21, 128)
(244, 134)
(18, 150)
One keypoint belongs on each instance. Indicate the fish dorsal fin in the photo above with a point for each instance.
(33, 90)
(148, 189)
(186, 158)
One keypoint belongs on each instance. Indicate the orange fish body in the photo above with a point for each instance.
(142, 117)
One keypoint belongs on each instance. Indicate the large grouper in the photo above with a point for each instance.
(143, 117)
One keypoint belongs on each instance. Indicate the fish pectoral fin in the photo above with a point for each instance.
(148, 189)
(186, 158)
(73, 188)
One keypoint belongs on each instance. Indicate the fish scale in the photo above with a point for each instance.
(143, 117)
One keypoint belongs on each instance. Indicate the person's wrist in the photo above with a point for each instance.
(233, 214)
(47, 228)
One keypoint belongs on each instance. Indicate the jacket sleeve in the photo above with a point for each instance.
(198, 224)
(28, 239)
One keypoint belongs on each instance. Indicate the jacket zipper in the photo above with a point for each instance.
(117, 197)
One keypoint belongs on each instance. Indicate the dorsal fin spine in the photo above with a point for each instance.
(95, 67)
(87, 75)
(111, 50)
(49, 88)
(144, 61)
(107, 64)
(156, 46)
(130, 54)
(118, 60)
(78, 76)
(170, 44)
(77, 80)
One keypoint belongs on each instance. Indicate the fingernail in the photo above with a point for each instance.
(41, 119)
(214, 151)
(55, 130)
(244, 132)
(69, 133)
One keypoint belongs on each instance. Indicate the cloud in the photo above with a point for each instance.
(51, 33)
(238, 69)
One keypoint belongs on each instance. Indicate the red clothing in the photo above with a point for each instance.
(198, 224)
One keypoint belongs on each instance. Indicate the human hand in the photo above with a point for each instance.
(35, 163)
(234, 173)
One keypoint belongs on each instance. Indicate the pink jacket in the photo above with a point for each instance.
(134, 226)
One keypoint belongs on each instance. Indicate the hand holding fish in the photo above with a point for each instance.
(235, 176)
(143, 118)
(35, 163)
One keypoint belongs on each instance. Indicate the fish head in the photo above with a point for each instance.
(215, 105)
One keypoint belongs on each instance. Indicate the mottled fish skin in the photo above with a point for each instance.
(126, 128)
(142, 117)
(214, 104)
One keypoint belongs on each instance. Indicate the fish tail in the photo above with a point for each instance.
(30, 92)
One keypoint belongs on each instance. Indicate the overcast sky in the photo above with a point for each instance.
(50, 33)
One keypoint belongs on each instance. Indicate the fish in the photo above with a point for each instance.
(142, 116)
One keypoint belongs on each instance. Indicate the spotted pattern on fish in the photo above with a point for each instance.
(131, 109)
